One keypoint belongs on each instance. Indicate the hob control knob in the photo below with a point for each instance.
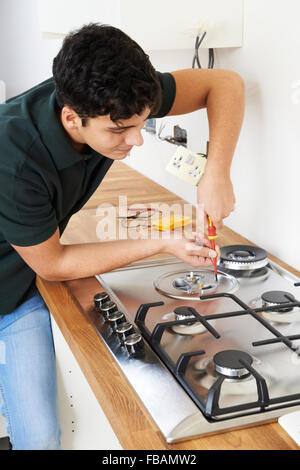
(134, 344)
(114, 319)
(107, 308)
(123, 330)
(100, 299)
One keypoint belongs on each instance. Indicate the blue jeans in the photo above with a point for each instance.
(28, 377)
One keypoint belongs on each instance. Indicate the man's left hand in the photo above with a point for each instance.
(216, 195)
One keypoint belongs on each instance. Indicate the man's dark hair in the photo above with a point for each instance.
(100, 70)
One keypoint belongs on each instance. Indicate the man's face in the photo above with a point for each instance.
(104, 136)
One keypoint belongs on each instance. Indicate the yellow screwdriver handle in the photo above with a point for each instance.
(212, 234)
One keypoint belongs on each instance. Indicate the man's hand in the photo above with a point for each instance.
(222, 93)
(216, 196)
(193, 250)
(55, 262)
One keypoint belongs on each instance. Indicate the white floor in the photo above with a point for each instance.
(84, 425)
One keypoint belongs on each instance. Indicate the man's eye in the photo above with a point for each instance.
(121, 131)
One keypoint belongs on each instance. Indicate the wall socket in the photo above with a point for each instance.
(187, 165)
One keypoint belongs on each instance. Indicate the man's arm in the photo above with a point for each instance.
(222, 93)
(56, 262)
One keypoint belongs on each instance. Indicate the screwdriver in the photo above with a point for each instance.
(212, 235)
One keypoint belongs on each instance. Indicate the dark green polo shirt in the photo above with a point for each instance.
(43, 180)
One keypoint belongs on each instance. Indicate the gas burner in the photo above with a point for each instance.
(205, 374)
(190, 285)
(243, 257)
(182, 313)
(250, 275)
(275, 299)
(229, 363)
(279, 315)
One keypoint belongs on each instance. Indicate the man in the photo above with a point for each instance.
(57, 141)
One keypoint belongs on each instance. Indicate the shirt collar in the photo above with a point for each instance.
(56, 139)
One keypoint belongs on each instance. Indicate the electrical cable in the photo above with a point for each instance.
(211, 58)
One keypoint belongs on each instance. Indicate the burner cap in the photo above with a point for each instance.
(189, 328)
(243, 257)
(228, 363)
(277, 297)
(183, 313)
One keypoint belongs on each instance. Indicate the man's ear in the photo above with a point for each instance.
(70, 118)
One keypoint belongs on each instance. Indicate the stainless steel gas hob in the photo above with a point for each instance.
(205, 356)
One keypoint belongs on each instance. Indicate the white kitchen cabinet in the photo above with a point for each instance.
(83, 424)
(155, 25)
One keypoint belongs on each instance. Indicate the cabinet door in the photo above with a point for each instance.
(57, 17)
(83, 423)
(155, 25)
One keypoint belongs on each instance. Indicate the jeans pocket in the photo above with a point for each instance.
(30, 305)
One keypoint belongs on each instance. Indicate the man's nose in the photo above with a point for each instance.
(134, 137)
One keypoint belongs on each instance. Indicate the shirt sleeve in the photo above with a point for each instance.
(27, 216)
(168, 88)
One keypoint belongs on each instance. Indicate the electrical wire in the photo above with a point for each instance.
(211, 60)
(211, 56)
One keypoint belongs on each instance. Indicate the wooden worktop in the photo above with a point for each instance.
(71, 305)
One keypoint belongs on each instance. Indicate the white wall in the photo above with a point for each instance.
(266, 166)
(25, 59)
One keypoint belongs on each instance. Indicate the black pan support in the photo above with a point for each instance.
(211, 407)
